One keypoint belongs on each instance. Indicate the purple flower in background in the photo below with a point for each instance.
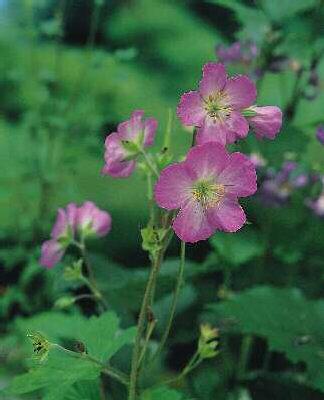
(277, 188)
(216, 107)
(238, 52)
(123, 146)
(206, 187)
(92, 221)
(317, 206)
(320, 134)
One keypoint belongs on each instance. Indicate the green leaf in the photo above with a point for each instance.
(55, 376)
(103, 337)
(290, 323)
(162, 393)
(240, 247)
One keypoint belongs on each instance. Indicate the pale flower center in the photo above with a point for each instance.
(208, 194)
(217, 107)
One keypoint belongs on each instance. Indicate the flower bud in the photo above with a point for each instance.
(208, 341)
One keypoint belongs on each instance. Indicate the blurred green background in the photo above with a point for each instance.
(70, 71)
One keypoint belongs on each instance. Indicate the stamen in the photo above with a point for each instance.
(208, 194)
(216, 106)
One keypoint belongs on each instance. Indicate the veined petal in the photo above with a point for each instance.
(214, 131)
(267, 121)
(239, 176)
(173, 187)
(190, 109)
(241, 92)
(213, 80)
(237, 125)
(207, 161)
(119, 169)
(227, 216)
(191, 224)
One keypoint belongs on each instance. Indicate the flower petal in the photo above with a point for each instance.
(241, 92)
(239, 176)
(213, 80)
(51, 253)
(130, 129)
(190, 109)
(150, 126)
(267, 122)
(114, 156)
(206, 161)
(214, 131)
(237, 126)
(228, 216)
(173, 187)
(61, 225)
(191, 224)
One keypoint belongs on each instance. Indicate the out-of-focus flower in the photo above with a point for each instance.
(320, 134)
(92, 221)
(238, 52)
(62, 234)
(257, 160)
(216, 107)
(266, 122)
(317, 205)
(208, 341)
(85, 220)
(206, 187)
(277, 188)
(123, 146)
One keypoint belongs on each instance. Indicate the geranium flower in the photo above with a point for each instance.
(71, 223)
(237, 52)
(216, 108)
(206, 187)
(93, 221)
(123, 146)
(266, 122)
(62, 233)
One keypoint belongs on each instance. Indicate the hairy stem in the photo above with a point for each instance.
(175, 298)
(141, 324)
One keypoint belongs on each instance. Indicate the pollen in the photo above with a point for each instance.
(217, 107)
(208, 194)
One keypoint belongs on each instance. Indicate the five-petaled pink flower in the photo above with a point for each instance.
(216, 108)
(123, 146)
(206, 187)
(70, 222)
(266, 122)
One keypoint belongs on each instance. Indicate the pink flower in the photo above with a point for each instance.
(320, 134)
(267, 121)
(62, 233)
(123, 146)
(216, 107)
(205, 187)
(69, 225)
(92, 220)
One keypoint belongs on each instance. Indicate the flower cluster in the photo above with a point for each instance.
(84, 221)
(206, 186)
(223, 108)
(125, 145)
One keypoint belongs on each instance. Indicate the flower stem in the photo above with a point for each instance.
(90, 281)
(175, 298)
(244, 356)
(141, 325)
(149, 163)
